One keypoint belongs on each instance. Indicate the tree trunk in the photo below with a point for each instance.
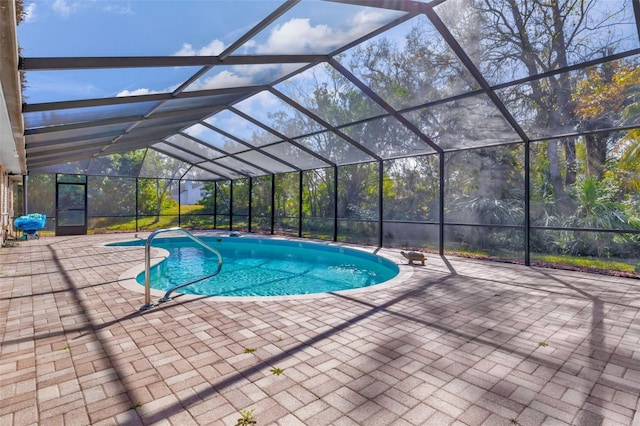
(596, 147)
(158, 210)
(555, 177)
(572, 164)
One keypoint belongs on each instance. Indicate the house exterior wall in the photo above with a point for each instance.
(6, 204)
(188, 193)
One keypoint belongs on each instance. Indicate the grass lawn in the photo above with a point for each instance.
(587, 263)
(168, 218)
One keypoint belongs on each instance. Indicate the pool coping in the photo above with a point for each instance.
(128, 278)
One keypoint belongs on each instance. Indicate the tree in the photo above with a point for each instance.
(113, 174)
(411, 189)
(318, 197)
(286, 202)
(102, 203)
(208, 199)
(41, 192)
(261, 203)
(240, 203)
(520, 38)
(119, 164)
(605, 97)
(153, 193)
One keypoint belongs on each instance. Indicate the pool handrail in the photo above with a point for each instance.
(147, 265)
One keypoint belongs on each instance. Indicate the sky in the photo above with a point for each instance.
(59, 28)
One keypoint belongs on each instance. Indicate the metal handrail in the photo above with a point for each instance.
(147, 266)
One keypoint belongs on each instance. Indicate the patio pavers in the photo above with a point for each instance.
(460, 342)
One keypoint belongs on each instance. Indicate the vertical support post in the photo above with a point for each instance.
(335, 203)
(57, 201)
(147, 276)
(380, 202)
(441, 206)
(215, 205)
(25, 190)
(250, 213)
(527, 203)
(137, 206)
(179, 203)
(230, 205)
(273, 202)
(300, 204)
(86, 204)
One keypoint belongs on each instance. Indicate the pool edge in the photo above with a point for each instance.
(128, 281)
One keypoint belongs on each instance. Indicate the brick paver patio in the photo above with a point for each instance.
(458, 342)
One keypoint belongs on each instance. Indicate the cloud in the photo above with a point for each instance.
(299, 35)
(64, 8)
(137, 92)
(145, 91)
(222, 79)
(215, 47)
(212, 49)
(242, 75)
(120, 8)
(30, 13)
(227, 120)
(186, 50)
(367, 20)
(248, 46)
(263, 101)
(196, 130)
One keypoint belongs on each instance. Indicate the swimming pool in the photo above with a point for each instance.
(264, 267)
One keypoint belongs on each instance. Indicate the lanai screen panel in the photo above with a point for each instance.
(409, 65)
(69, 167)
(62, 134)
(278, 115)
(464, 123)
(58, 117)
(294, 155)
(196, 173)
(225, 76)
(326, 93)
(335, 148)
(488, 33)
(200, 102)
(318, 27)
(388, 138)
(219, 170)
(215, 139)
(126, 164)
(177, 153)
(274, 165)
(159, 165)
(196, 148)
(234, 124)
(72, 85)
(603, 98)
(246, 169)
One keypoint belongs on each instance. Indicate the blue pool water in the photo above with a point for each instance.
(264, 267)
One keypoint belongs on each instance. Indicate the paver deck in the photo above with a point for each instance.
(459, 342)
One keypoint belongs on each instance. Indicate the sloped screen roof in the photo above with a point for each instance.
(234, 89)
